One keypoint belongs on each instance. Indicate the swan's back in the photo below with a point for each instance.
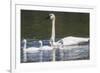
(32, 49)
(73, 40)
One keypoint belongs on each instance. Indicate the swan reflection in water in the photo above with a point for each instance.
(68, 48)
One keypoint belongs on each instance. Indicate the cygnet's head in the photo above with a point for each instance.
(24, 41)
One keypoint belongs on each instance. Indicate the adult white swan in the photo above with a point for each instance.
(64, 41)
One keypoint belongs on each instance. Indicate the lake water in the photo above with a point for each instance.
(67, 53)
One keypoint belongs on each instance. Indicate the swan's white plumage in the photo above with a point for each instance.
(46, 48)
(72, 40)
(32, 50)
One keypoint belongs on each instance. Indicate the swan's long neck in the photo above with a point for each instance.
(25, 42)
(24, 51)
(41, 44)
(53, 30)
